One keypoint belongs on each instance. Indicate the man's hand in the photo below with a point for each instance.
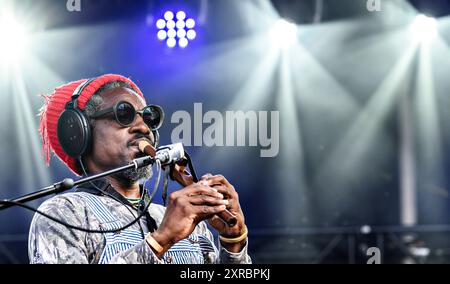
(185, 209)
(221, 184)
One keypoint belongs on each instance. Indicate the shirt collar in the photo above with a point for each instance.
(104, 185)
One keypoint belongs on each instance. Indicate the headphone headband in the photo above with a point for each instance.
(79, 90)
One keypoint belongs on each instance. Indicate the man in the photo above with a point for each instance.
(117, 120)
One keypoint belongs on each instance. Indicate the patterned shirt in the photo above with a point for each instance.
(50, 242)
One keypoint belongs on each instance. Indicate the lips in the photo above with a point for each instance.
(136, 142)
(134, 146)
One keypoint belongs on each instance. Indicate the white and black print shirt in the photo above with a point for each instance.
(50, 242)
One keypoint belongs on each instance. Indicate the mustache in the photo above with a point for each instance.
(140, 137)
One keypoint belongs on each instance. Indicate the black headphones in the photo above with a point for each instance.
(74, 130)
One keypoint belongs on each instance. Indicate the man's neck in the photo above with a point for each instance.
(129, 189)
(126, 187)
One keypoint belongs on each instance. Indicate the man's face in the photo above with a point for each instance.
(115, 145)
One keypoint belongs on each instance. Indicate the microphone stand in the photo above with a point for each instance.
(69, 183)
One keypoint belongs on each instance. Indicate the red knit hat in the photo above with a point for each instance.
(55, 105)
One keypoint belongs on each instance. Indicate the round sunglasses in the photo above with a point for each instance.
(125, 114)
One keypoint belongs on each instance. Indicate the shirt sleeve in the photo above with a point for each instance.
(140, 253)
(221, 255)
(241, 257)
(53, 243)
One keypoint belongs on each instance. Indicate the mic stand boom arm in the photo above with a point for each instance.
(69, 183)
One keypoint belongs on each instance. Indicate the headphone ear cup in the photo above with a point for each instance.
(74, 132)
(156, 136)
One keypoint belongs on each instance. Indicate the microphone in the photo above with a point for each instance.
(165, 154)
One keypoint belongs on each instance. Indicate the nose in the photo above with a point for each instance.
(139, 126)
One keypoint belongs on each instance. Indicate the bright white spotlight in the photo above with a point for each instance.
(181, 15)
(162, 35)
(161, 24)
(190, 23)
(180, 24)
(181, 33)
(424, 28)
(170, 24)
(14, 39)
(191, 34)
(283, 33)
(174, 25)
(183, 42)
(168, 15)
(171, 33)
(171, 42)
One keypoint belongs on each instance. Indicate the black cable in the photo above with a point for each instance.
(80, 161)
(165, 184)
(155, 188)
(191, 167)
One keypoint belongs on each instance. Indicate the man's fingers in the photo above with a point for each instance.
(198, 189)
(206, 176)
(208, 210)
(216, 180)
(207, 200)
(227, 192)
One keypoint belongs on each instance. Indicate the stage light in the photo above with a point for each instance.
(168, 15)
(283, 33)
(174, 25)
(191, 34)
(162, 35)
(160, 24)
(180, 24)
(424, 28)
(171, 33)
(190, 23)
(183, 42)
(171, 42)
(170, 24)
(181, 15)
(14, 39)
(181, 33)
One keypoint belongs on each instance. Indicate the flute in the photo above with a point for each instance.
(184, 178)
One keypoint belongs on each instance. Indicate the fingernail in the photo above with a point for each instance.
(226, 202)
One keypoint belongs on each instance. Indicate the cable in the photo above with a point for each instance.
(167, 172)
(80, 161)
(165, 184)
(155, 188)
(191, 167)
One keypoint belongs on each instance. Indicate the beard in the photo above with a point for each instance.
(134, 175)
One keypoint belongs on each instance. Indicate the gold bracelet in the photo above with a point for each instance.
(237, 239)
(153, 243)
